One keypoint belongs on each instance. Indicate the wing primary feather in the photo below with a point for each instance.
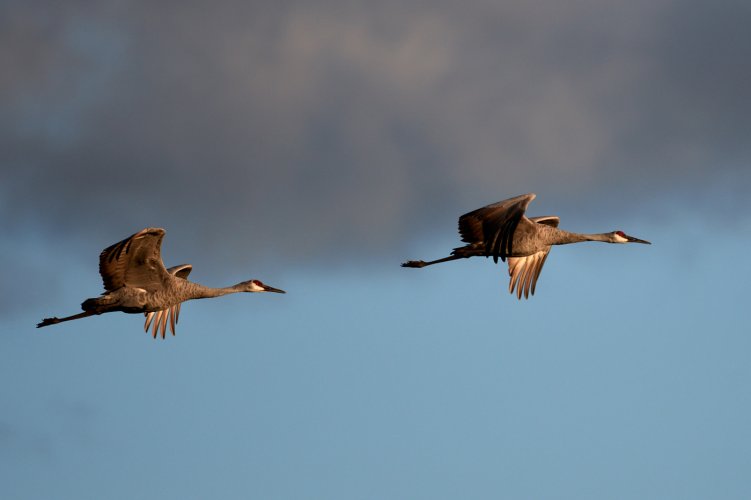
(503, 247)
(149, 318)
(530, 275)
(539, 270)
(513, 271)
(524, 273)
(497, 246)
(157, 319)
(172, 320)
(490, 245)
(515, 268)
(163, 325)
(520, 282)
(522, 279)
(510, 236)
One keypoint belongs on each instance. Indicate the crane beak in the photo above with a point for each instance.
(267, 288)
(631, 239)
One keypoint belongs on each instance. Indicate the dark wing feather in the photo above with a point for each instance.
(135, 261)
(494, 225)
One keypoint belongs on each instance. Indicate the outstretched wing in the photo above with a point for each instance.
(160, 318)
(494, 225)
(524, 271)
(135, 261)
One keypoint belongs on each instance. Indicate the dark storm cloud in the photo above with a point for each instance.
(288, 128)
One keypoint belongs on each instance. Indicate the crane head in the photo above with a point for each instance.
(621, 237)
(258, 286)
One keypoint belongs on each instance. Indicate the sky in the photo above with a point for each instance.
(316, 145)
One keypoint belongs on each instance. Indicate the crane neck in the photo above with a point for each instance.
(562, 237)
(191, 290)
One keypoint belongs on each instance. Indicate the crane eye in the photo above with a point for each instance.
(256, 283)
(620, 233)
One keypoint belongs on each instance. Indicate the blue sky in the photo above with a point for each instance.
(315, 146)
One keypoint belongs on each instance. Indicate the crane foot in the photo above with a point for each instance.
(414, 263)
(48, 321)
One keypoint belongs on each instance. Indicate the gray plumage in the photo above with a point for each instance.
(502, 230)
(136, 281)
(159, 318)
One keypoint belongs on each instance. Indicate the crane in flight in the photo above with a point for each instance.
(136, 281)
(502, 230)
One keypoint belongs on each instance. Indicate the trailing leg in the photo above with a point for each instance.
(422, 263)
(54, 321)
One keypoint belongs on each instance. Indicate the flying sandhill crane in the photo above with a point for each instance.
(135, 281)
(502, 230)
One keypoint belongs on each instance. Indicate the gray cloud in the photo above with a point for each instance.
(290, 129)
